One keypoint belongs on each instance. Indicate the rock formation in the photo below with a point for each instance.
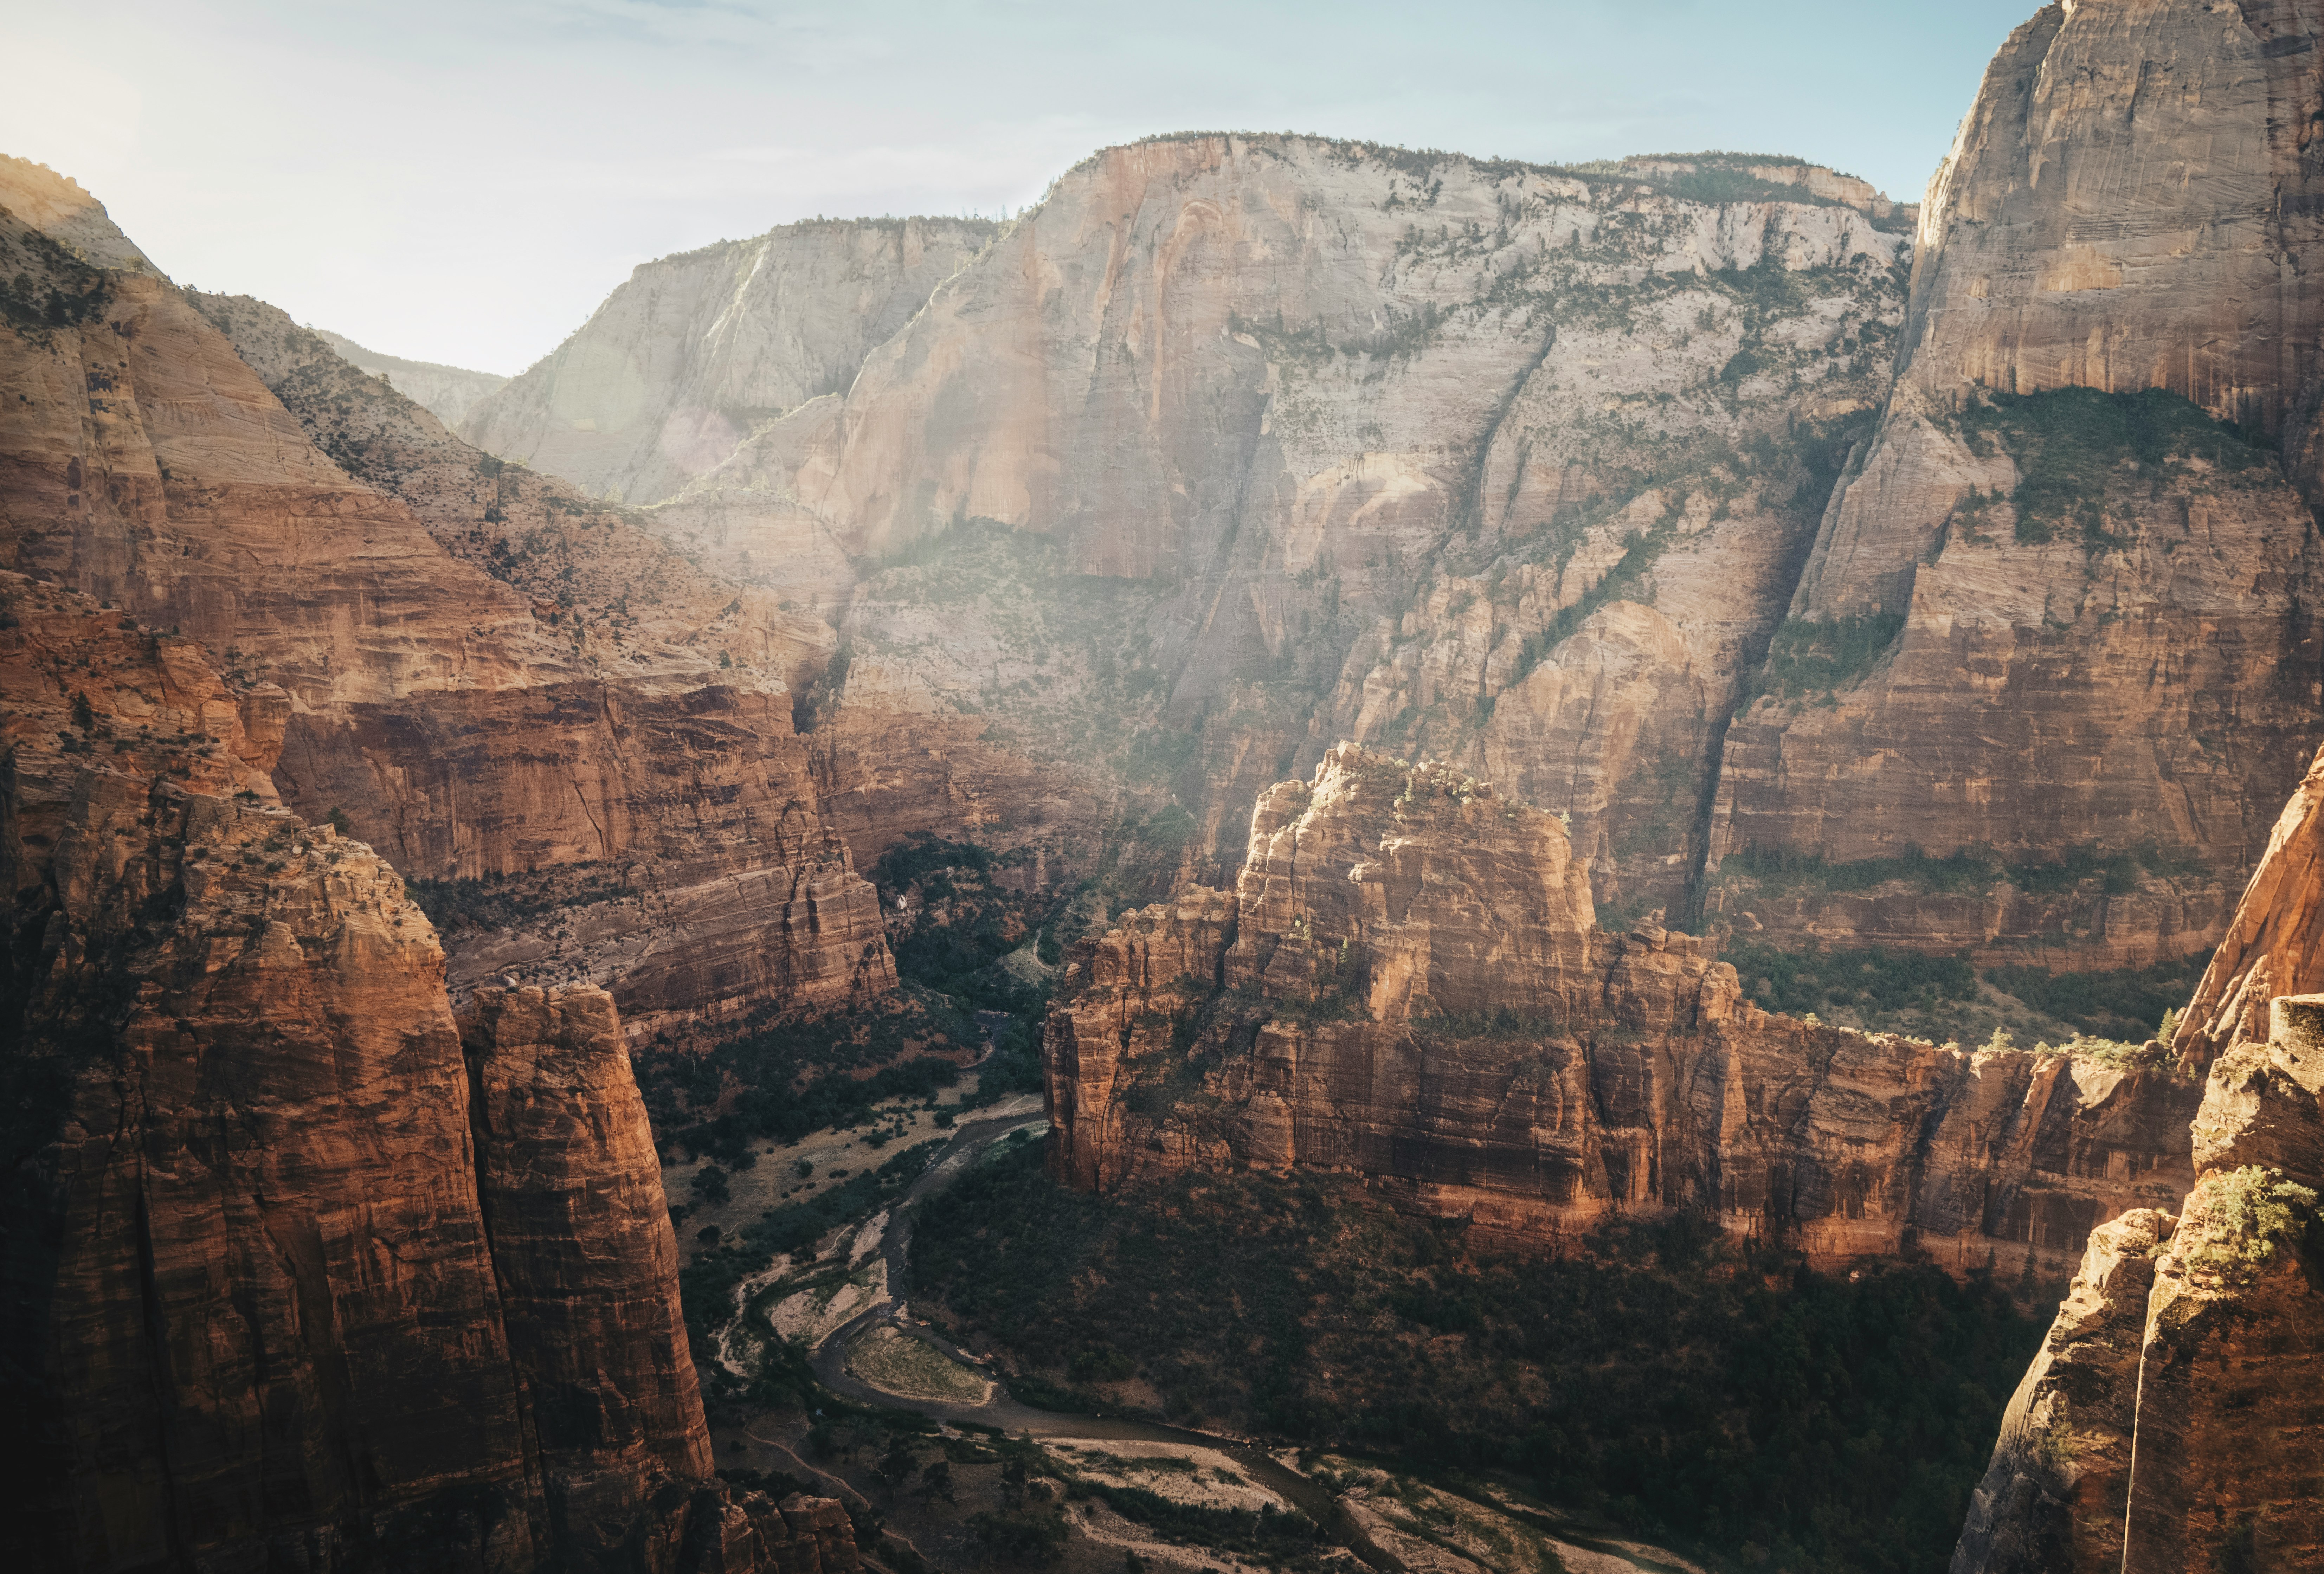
(446, 392)
(288, 1279)
(685, 358)
(480, 672)
(2272, 946)
(1572, 478)
(1408, 985)
(2164, 1426)
(2047, 587)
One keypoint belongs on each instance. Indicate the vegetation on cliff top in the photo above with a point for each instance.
(1682, 1386)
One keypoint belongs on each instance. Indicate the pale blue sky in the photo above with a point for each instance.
(463, 180)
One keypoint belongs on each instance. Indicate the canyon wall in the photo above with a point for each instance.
(2054, 601)
(2163, 1424)
(1316, 440)
(446, 392)
(1408, 985)
(300, 1270)
(685, 358)
(478, 672)
(1602, 482)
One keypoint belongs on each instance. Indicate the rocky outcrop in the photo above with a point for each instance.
(2054, 1499)
(2274, 945)
(1408, 986)
(696, 349)
(446, 392)
(288, 1279)
(2163, 1427)
(570, 1186)
(2055, 603)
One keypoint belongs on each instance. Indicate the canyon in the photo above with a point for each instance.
(1394, 621)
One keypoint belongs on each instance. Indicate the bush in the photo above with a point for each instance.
(1018, 1540)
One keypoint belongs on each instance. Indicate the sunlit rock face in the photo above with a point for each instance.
(1408, 985)
(695, 350)
(1510, 462)
(2096, 616)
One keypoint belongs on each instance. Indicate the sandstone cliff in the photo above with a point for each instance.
(446, 392)
(694, 350)
(1512, 463)
(1408, 985)
(2055, 605)
(481, 672)
(288, 1279)
(2164, 1427)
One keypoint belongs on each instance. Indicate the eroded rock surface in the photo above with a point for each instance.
(1408, 985)
(290, 1280)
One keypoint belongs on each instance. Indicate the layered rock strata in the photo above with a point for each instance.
(1408, 985)
(289, 1279)
(1264, 394)
(2164, 1426)
(694, 350)
(480, 672)
(2053, 604)
(2274, 946)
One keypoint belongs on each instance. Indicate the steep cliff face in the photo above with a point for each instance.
(1512, 462)
(570, 1186)
(2272, 945)
(2123, 208)
(446, 392)
(287, 1278)
(2196, 1342)
(480, 671)
(1408, 985)
(683, 359)
(2055, 605)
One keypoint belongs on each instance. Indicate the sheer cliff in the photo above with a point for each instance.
(478, 671)
(1603, 483)
(2056, 604)
(1408, 985)
(301, 1269)
(695, 350)
(1512, 463)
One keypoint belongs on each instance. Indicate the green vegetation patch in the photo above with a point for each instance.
(2240, 1218)
(2123, 1002)
(1969, 868)
(1680, 1384)
(2073, 444)
(1796, 982)
(1811, 656)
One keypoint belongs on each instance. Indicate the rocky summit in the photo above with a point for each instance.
(1676, 786)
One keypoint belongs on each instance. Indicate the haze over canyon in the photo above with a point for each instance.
(1643, 838)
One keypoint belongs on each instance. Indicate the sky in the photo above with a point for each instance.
(465, 180)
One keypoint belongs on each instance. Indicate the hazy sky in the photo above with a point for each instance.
(465, 181)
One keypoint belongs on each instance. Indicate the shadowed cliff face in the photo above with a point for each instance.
(1408, 985)
(287, 1278)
